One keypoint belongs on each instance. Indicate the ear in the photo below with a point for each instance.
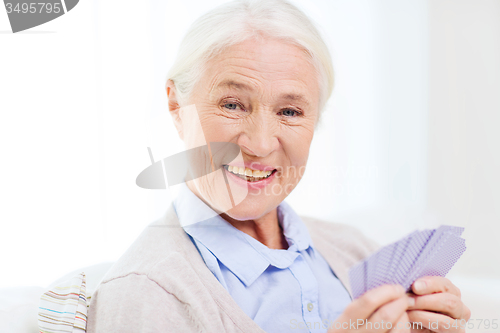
(174, 107)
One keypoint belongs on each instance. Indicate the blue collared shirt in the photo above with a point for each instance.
(292, 290)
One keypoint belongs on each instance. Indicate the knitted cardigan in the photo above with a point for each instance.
(161, 283)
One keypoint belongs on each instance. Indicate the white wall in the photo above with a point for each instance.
(80, 103)
(51, 184)
(464, 122)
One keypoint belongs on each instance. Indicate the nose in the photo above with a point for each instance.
(259, 136)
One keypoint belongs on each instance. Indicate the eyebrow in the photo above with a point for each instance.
(295, 98)
(243, 86)
(233, 84)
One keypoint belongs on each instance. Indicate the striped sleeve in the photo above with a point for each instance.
(63, 308)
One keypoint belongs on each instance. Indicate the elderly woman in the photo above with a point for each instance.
(230, 255)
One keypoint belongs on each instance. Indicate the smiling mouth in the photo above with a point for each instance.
(248, 174)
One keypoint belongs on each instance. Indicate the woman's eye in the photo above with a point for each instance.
(231, 106)
(289, 112)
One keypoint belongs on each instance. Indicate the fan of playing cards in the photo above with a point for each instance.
(422, 253)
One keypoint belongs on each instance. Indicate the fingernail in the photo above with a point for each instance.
(420, 285)
(411, 301)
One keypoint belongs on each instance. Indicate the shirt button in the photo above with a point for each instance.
(310, 307)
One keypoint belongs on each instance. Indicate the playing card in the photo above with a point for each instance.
(357, 278)
(440, 259)
(416, 251)
(422, 253)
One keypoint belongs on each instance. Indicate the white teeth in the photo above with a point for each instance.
(248, 172)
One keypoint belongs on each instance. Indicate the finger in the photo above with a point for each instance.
(370, 301)
(435, 322)
(445, 303)
(466, 313)
(387, 313)
(421, 330)
(402, 325)
(434, 284)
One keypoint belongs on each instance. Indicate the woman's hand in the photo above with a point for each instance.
(378, 310)
(438, 306)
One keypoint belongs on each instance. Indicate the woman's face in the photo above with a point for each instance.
(262, 96)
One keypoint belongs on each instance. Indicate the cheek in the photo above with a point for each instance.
(192, 126)
(216, 128)
(296, 149)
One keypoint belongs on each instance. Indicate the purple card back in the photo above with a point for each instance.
(422, 253)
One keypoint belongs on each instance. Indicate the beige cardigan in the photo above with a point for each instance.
(161, 283)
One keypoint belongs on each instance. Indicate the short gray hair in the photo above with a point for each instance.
(236, 21)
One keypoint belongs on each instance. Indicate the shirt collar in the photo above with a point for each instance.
(243, 255)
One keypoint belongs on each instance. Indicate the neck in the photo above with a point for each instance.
(265, 229)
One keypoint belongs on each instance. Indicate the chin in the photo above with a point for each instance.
(251, 209)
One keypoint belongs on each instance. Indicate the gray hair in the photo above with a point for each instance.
(236, 21)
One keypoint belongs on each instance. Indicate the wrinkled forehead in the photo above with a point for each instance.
(277, 68)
